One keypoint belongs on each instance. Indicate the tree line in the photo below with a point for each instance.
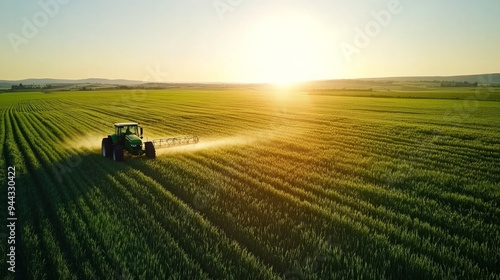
(458, 84)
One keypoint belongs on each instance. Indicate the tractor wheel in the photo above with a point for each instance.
(118, 153)
(107, 147)
(150, 150)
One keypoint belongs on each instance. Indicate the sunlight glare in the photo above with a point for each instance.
(286, 50)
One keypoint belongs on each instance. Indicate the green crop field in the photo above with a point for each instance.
(281, 185)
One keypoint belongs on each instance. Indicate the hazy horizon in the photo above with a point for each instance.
(236, 82)
(247, 41)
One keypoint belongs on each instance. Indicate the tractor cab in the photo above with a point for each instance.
(123, 129)
(129, 136)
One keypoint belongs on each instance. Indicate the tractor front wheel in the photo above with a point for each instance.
(150, 150)
(107, 147)
(118, 153)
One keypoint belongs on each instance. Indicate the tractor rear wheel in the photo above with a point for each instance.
(150, 150)
(118, 153)
(107, 147)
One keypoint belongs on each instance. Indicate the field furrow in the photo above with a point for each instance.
(302, 186)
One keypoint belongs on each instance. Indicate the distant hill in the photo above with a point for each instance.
(480, 78)
(124, 82)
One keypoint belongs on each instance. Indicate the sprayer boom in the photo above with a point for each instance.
(174, 141)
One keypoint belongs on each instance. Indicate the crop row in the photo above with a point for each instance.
(320, 187)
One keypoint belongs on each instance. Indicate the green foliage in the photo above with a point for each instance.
(280, 186)
(458, 84)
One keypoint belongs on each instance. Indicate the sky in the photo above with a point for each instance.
(277, 41)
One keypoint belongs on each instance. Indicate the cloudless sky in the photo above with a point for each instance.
(253, 41)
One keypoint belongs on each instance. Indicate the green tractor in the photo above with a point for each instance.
(128, 137)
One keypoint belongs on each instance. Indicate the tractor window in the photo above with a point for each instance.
(127, 130)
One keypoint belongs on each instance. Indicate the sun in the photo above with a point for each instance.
(286, 49)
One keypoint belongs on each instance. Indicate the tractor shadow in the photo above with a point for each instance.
(47, 196)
